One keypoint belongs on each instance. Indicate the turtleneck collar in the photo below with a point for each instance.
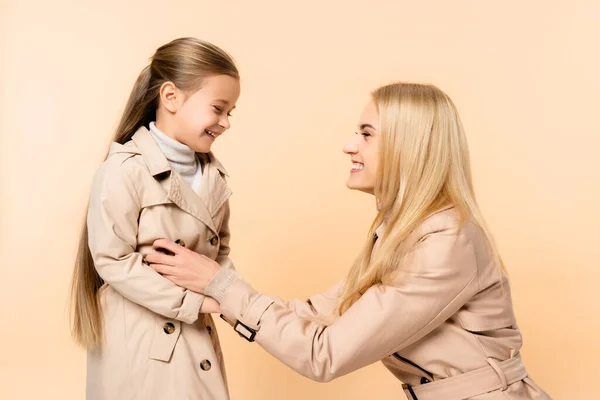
(181, 157)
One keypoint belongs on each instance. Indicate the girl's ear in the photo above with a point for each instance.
(170, 97)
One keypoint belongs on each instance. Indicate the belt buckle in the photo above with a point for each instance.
(413, 396)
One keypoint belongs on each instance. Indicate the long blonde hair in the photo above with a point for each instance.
(185, 62)
(423, 167)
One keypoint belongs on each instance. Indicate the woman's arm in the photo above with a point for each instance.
(317, 306)
(439, 277)
(112, 225)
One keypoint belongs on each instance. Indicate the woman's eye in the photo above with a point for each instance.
(218, 109)
(365, 134)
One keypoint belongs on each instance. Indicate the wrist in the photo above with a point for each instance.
(220, 282)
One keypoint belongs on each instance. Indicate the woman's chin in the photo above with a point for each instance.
(361, 187)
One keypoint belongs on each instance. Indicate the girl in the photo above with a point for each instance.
(144, 336)
(427, 295)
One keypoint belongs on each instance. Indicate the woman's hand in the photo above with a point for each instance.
(185, 268)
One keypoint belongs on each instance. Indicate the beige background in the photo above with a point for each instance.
(524, 75)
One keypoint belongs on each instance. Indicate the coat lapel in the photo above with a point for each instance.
(185, 198)
(213, 192)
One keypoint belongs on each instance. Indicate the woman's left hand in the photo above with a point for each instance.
(185, 268)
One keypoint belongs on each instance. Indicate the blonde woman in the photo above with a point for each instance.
(427, 294)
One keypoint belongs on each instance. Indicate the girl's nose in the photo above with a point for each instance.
(224, 122)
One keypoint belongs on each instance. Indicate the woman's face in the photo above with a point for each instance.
(363, 151)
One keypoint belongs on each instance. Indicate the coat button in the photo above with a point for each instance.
(209, 329)
(169, 328)
(205, 365)
(214, 240)
(180, 242)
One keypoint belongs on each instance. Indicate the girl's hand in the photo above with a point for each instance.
(185, 268)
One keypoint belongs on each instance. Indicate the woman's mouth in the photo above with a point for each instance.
(357, 167)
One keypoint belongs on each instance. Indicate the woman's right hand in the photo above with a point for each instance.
(184, 267)
(210, 305)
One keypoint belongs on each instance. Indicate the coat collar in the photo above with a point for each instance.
(154, 158)
(381, 229)
(213, 192)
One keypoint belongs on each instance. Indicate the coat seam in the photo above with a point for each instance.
(401, 345)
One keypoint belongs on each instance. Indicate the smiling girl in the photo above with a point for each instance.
(146, 337)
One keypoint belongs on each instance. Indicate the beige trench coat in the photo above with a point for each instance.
(157, 346)
(445, 326)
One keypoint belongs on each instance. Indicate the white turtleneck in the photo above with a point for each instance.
(180, 156)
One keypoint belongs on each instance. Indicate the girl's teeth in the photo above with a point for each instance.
(357, 167)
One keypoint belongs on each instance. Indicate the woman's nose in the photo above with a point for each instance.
(351, 147)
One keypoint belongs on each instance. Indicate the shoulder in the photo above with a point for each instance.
(123, 167)
(447, 222)
(123, 160)
(447, 237)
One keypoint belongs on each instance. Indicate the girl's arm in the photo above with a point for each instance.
(112, 228)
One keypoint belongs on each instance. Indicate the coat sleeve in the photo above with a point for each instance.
(439, 275)
(317, 306)
(112, 221)
(225, 236)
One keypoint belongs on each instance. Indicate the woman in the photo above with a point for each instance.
(146, 337)
(427, 295)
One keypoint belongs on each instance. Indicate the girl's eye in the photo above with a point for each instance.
(365, 134)
(219, 110)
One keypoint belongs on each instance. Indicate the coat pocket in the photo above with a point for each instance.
(166, 334)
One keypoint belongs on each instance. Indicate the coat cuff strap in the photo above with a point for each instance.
(190, 308)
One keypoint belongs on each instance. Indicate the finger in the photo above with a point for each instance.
(173, 278)
(163, 269)
(160, 258)
(168, 245)
(164, 251)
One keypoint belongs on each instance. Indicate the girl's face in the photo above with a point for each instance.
(197, 119)
(363, 151)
